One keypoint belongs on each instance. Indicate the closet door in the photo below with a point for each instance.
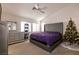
(0, 11)
(3, 36)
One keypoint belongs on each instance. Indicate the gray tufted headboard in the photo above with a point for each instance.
(55, 27)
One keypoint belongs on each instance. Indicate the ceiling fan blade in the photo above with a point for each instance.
(37, 6)
(41, 11)
(33, 8)
(44, 8)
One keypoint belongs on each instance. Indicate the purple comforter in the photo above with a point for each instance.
(47, 37)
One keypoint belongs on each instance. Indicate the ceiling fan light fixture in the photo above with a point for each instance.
(36, 7)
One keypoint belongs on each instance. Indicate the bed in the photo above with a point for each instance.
(47, 40)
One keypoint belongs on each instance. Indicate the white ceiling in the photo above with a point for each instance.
(25, 9)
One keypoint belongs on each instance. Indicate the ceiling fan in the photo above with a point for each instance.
(38, 8)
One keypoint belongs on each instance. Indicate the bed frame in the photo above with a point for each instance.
(45, 47)
(49, 27)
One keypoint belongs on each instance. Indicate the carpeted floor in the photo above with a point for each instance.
(27, 48)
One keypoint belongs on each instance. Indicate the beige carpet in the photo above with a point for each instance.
(27, 48)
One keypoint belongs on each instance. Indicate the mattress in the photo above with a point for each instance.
(47, 37)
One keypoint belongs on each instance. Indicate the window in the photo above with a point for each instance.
(25, 27)
(42, 27)
(35, 27)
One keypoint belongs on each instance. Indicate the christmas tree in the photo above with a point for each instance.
(71, 32)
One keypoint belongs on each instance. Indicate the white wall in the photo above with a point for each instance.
(9, 17)
(64, 15)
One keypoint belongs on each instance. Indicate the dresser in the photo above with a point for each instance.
(15, 37)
